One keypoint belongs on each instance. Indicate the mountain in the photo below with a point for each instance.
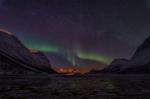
(139, 63)
(142, 54)
(116, 66)
(42, 61)
(14, 56)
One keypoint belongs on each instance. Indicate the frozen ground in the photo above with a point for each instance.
(76, 87)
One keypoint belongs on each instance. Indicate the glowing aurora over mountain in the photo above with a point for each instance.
(45, 48)
(101, 32)
(69, 54)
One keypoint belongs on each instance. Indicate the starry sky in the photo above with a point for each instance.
(98, 30)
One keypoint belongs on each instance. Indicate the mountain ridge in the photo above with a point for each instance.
(139, 62)
(16, 54)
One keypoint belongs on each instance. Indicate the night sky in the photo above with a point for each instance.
(98, 30)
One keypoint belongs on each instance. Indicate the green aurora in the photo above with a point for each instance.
(59, 49)
(94, 56)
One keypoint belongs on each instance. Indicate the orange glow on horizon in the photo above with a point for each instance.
(74, 70)
(32, 50)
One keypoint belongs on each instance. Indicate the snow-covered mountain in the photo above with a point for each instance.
(15, 51)
(142, 54)
(139, 63)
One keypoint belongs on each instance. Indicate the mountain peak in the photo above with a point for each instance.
(139, 63)
(146, 43)
(15, 52)
(144, 47)
(5, 31)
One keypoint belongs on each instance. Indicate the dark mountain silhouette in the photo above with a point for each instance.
(42, 61)
(116, 66)
(139, 63)
(15, 57)
(142, 54)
